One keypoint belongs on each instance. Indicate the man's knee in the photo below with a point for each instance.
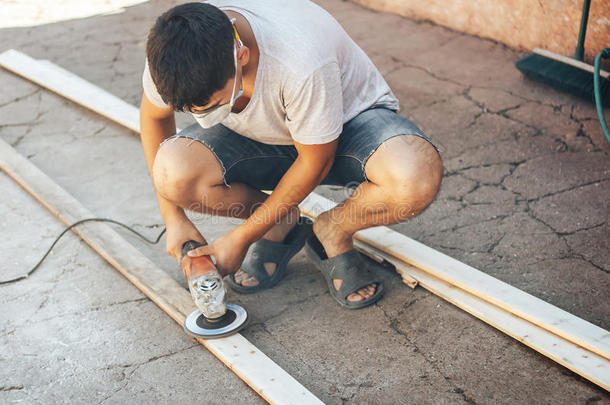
(183, 169)
(411, 167)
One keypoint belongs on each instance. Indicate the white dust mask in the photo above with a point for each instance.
(216, 115)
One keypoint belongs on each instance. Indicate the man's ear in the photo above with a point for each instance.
(243, 55)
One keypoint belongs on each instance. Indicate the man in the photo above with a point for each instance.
(284, 101)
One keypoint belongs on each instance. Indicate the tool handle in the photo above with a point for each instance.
(188, 246)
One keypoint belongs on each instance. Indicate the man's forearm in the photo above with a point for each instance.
(296, 184)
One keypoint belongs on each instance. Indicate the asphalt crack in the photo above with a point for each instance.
(572, 253)
(581, 129)
(454, 388)
(78, 313)
(126, 377)
(290, 304)
(501, 113)
(19, 98)
(561, 191)
(12, 388)
(587, 228)
(403, 64)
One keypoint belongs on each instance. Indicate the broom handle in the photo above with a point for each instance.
(579, 54)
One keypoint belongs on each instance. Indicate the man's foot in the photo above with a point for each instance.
(276, 234)
(336, 242)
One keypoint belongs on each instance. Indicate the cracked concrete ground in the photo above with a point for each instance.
(524, 198)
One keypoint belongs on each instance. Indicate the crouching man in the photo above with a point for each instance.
(284, 100)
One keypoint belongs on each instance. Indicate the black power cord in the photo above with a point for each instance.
(152, 242)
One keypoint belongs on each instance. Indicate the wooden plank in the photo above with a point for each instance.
(457, 274)
(72, 87)
(379, 257)
(581, 361)
(236, 352)
(477, 283)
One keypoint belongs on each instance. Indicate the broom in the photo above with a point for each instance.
(569, 74)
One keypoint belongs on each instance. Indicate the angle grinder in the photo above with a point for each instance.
(214, 318)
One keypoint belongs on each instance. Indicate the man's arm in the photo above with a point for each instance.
(156, 125)
(314, 112)
(308, 170)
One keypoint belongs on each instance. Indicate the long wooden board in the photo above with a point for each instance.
(243, 358)
(479, 284)
(72, 87)
(589, 365)
(396, 246)
(581, 361)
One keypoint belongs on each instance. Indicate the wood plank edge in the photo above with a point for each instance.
(25, 66)
(382, 239)
(547, 324)
(431, 284)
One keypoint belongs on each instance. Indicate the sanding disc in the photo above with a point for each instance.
(231, 322)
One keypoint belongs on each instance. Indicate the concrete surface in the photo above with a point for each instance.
(524, 198)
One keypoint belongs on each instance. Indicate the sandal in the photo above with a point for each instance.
(266, 251)
(349, 267)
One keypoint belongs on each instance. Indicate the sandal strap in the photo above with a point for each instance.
(267, 251)
(350, 268)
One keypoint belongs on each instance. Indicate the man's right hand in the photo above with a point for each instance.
(180, 230)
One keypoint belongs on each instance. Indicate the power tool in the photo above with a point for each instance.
(214, 318)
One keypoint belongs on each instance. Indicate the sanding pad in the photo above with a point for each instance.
(230, 323)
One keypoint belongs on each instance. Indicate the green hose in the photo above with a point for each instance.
(598, 99)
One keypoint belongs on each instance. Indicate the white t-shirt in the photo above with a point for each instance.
(311, 78)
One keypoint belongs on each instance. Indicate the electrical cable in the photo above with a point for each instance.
(152, 242)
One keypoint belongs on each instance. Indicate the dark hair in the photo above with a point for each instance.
(190, 54)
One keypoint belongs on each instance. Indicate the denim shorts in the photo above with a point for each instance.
(262, 165)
